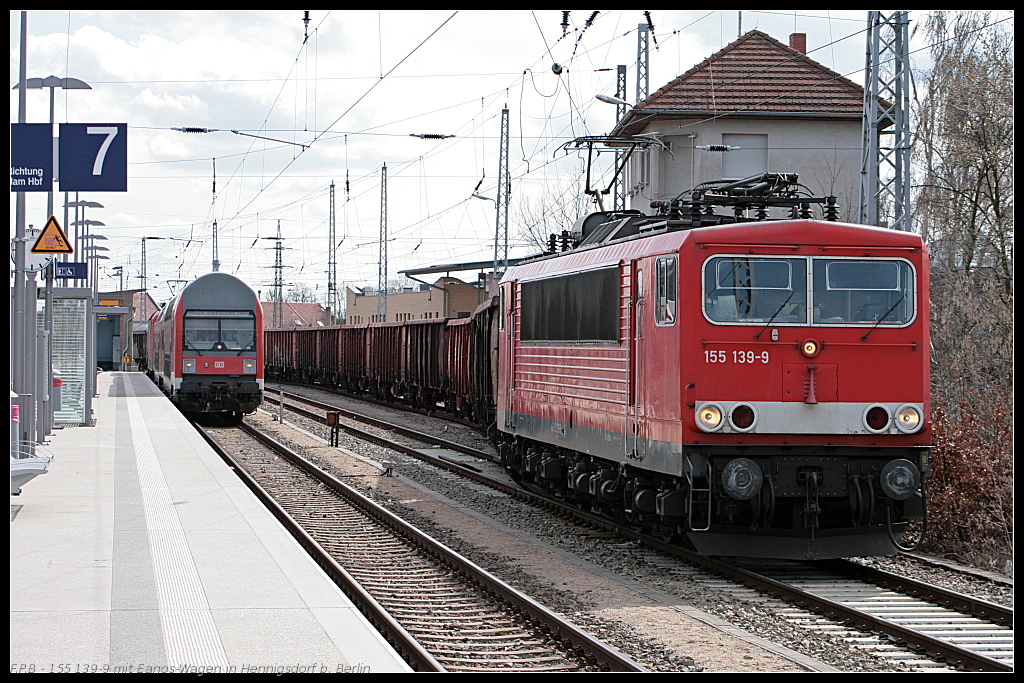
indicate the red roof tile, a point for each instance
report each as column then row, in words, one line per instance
column 756, row 74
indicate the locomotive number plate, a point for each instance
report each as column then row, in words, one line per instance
column 711, row 356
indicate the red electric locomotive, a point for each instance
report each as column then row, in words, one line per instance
column 761, row 388
column 206, row 347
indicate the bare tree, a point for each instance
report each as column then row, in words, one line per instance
column 964, row 122
column 963, row 159
column 555, row 209
column 301, row 293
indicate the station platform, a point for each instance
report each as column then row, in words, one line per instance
column 140, row 551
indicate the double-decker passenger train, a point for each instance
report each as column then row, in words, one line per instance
column 205, row 347
column 759, row 387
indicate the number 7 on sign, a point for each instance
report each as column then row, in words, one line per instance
column 111, row 133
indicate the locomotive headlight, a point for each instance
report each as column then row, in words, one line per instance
column 900, row 479
column 908, row 419
column 810, row 348
column 249, row 366
column 742, row 478
column 188, row 365
column 709, row 417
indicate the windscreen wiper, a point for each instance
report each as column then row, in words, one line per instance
column 891, row 309
column 772, row 319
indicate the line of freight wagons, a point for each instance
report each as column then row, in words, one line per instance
column 431, row 364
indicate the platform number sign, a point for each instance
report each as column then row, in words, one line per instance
column 93, row 157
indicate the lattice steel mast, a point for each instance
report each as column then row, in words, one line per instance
column 885, row 168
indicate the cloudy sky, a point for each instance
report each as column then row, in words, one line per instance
column 340, row 105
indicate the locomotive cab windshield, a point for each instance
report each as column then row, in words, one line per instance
column 219, row 331
column 801, row 291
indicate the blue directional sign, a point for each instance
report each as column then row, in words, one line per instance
column 31, row 157
column 69, row 270
column 93, row 157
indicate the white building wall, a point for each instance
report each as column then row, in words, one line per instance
column 824, row 152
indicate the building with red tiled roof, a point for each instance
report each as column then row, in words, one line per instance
column 770, row 105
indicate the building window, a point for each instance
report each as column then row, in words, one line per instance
column 749, row 160
column 639, row 170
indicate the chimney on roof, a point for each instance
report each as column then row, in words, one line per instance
column 798, row 41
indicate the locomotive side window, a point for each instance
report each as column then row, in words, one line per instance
column 863, row 291
column 582, row 307
column 740, row 289
column 665, row 292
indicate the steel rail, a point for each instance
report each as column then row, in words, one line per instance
column 966, row 604
column 959, row 657
column 403, row 642
column 953, row 655
column 398, row 429
column 584, row 646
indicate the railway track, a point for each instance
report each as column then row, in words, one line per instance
column 978, row 636
column 897, row 618
column 441, row 612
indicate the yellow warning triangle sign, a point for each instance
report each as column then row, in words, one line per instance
column 52, row 240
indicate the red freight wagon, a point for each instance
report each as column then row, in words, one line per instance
column 458, row 365
column 329, row 355
column 385, row 359
column 424, row 359
column 280, row 354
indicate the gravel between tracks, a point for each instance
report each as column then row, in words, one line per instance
column 665, row 622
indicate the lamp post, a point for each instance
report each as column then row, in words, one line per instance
column 118, row 273
column 52, row 82
column 85, row 239
column 94, row 271
column 494, row 272
column 91, row 257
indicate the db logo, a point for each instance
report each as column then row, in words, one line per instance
column 218, row 364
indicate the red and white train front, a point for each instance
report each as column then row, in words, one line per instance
column 206, row 347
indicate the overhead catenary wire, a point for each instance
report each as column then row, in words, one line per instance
column 527, row 169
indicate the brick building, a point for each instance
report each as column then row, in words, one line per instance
column 448, row 297
column 293, row 314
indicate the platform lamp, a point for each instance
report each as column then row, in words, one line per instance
column 91, row 257
column 53, row 82
column 494, row 272
column 118, row 273
column 76, row 205
column 91, row 240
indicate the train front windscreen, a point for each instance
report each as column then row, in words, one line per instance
column 220, row 331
